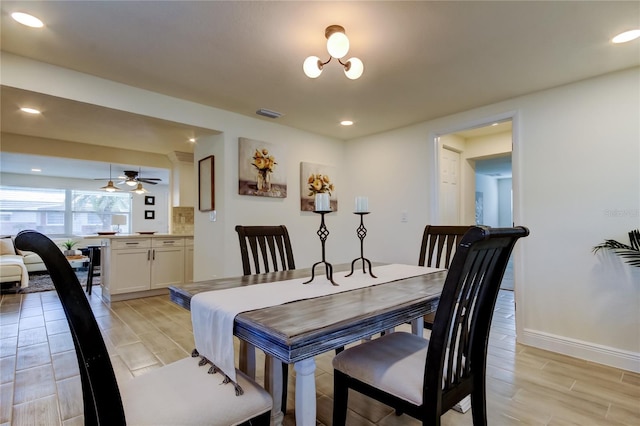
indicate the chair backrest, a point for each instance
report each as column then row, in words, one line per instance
column 102, row 402
column 265, row 249
column 439, row 244
column 456, row 358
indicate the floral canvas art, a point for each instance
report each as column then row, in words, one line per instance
column 261, row 169
column 317, row 179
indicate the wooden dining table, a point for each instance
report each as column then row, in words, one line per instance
column 295, row 332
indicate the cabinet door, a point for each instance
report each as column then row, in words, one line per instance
column 188, row 264
column 130, row 270
column 167, row 266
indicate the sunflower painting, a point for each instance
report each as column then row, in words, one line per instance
column 315, row 179
column 260, row 169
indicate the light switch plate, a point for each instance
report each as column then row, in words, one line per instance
column 212, row 216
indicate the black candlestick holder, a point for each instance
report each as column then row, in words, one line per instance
column 362, row 233
column 323, row 233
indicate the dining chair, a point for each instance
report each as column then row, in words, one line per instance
column 178, row 393
column 94, row 265
column 265, row 249
column 437, row 250
column 424, row 378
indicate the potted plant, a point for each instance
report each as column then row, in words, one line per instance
column 630, row 253
column 68, row 245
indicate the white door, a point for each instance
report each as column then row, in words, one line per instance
column 449, row 187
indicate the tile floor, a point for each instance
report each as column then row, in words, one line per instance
column 40, row 384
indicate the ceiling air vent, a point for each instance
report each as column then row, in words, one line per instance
column 268, row 113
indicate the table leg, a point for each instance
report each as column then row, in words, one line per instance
column 273, row 385
column 305, row 392
column 247, row 361
column 417, row 326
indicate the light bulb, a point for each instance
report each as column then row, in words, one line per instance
column 338, row 45
column 131, row 182
column 626, row 36
column 28, row 20
column 312, row 67
column 354, row 68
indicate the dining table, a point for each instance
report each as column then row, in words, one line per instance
column 296, row 331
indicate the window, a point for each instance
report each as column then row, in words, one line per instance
column 92, row 211
column 59, row 211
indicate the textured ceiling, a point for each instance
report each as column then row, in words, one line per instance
column 422, row 59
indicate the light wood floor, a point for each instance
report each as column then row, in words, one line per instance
column 40, row 383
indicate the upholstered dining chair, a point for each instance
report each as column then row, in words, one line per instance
column 178, row 393
column 437, row 249
column 265, row 249
column 426, row 377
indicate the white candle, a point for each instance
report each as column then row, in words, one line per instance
column 322, row 202
column 362, row 204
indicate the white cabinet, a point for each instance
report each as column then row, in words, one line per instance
column 167, row 262
column 142, row 266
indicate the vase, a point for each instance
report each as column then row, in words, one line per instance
column 260, row 181
column 263, row 182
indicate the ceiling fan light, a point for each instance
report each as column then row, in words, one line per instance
column 139, row 189
column 312, row 67
column 131, row 182
column 110, row 187
column 338, row 45
column 354, row 68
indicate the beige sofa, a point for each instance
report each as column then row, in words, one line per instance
column 15, row 265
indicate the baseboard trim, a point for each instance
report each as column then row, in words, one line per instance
column 625, row 360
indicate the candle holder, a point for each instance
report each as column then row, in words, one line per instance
column 362, row 233
column 323, row 233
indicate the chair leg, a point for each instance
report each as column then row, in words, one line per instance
column 285, row 386
column 90, row 271
column 340, row 398
column 479, row 404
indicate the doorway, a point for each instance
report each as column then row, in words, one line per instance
column 475, row 179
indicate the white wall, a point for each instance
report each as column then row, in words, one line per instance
column 505, row 215
column 577, row 182
column 488, row 185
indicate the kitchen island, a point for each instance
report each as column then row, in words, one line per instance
column 142, row 265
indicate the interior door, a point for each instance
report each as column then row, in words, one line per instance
column 449, row 187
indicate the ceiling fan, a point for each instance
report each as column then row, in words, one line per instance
column 132, row 178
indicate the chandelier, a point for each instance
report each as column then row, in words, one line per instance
column 338, row 47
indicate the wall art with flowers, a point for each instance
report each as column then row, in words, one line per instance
column 261, row 169
column 314, row 179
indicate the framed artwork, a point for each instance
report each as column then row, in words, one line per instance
column 149, row 214
column 149, row 200
column 479, row 208
column 261, row 169
column 206, row 187
column 317, row 178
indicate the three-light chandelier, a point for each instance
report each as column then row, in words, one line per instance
column 338, row 47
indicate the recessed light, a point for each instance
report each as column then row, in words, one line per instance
column 36, row 170
column 30, row 110
column 346, row 122
column 192, row 139
column 626, row 36
column 494, row 124
column 28, row 20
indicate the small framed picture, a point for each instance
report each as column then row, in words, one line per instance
column 149, row 214
column 149, row 200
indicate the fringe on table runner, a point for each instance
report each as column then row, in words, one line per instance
column 214, row 369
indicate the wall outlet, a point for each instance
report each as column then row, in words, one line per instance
column 404, row 216
column 212, row 216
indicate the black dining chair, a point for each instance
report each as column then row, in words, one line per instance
column 437, row 249
column 179, row 393
column 424, row 378
column 94, row 266
column 266, row 249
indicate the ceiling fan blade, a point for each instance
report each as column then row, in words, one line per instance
column 149, row 181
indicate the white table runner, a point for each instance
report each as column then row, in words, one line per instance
column 213, row 312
